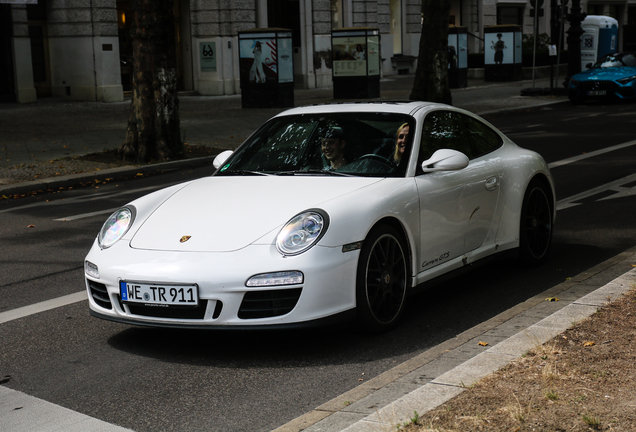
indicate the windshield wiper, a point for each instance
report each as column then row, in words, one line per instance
column 314, row 172
column 244, row 173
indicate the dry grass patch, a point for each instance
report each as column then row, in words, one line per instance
column 582, row 380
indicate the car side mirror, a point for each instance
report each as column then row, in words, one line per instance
column 589, row 65
column 221, row 158
column 445, row 160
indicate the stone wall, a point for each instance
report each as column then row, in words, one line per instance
column 222, row 18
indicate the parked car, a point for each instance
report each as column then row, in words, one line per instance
column 326, row 212
column 612, row 76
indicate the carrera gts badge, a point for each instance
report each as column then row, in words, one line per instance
column 184, row 239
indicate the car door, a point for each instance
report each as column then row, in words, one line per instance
column 443, row 219
column 456, row 207
column 481, row 191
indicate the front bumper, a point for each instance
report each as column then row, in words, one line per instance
column 327, row 291
column 601, row 90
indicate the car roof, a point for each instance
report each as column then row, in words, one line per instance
column 398, row 107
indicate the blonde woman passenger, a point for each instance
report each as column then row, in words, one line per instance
column 400, row 142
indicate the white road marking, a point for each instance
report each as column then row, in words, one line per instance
column 86, row 215
column 591, row 154
column 615, row 186
column 21, row 412
column 42, row 306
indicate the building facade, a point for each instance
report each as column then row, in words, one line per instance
column 81, row 50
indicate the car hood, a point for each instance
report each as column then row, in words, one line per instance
column 613, row 73
column 222, row 214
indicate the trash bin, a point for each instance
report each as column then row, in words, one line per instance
column 356, row 63
column 266, row 68
column 457, row 57
column 503, row 58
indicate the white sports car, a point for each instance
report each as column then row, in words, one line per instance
column 326, row 212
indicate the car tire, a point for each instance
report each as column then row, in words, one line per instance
column 382, row 280
column 536, row 224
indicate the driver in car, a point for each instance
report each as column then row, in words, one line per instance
column 332, row 146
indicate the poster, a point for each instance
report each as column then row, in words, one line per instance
column 286, row 62
column 518, row 48
column 499, row 48
column 373, row 50
column 462, row 54
column 452, row 51
column 258, row 60
column 350, row 56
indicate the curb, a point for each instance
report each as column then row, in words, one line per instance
column 120, row 173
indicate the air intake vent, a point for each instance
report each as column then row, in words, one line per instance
column 266, row 304
column 99, row 294
column 598, row 85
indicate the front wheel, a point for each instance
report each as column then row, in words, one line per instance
column 535, row 236
column 382, row 279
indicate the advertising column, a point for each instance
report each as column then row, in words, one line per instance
column 356, row 63
column 503, row 53
column 266, row 68
column 457, row 57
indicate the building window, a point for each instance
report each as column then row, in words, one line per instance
column 613, row 12
column 593, row 9
column 509, row 15
column 396, row 25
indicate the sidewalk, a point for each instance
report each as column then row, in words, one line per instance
column 33, row 135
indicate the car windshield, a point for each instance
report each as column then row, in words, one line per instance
column 616, row 60
column 343, row 144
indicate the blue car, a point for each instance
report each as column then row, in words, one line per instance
column 613, row 76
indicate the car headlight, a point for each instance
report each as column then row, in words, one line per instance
column 302, row 232
column 627, row 79
column 116, row 226
column 574, row 82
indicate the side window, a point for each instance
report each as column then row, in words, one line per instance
column 629, row 60
column 443, row 130
column 483, row 138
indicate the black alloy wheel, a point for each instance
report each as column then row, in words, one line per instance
column 535, row 236
column 382, row 280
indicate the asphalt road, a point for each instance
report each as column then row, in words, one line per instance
column 177, row 380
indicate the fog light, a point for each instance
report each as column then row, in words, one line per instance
column 274, row 279
column 91, row 269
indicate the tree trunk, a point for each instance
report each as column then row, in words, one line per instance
column 153, row 126
column 431, row 75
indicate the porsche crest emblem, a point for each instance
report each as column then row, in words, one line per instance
column 184, row 239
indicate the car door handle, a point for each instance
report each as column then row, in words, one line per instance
column 492, row 183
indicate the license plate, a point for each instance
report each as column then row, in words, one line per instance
column 159, row 295
column 596, row 93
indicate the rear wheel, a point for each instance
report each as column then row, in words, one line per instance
column 382, row 279
column 535, row 236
